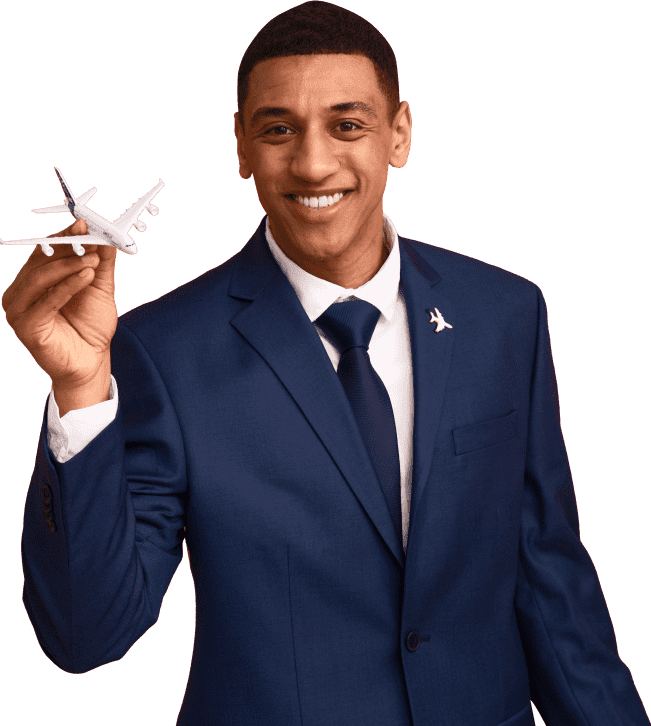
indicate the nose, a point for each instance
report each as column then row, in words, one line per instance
column 315, row 158
column 133, row 249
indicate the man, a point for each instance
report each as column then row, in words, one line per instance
column 316, row 604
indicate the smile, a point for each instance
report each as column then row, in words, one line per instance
column 319, row 202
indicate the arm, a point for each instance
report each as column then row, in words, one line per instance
column 576, row 676
column 95, row 580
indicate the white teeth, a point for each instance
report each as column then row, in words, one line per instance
column 319, row 202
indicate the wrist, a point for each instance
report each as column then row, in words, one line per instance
column 70, row 397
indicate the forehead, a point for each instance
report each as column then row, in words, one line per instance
column 309, row 83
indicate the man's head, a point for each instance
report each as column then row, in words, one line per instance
column 319, row 113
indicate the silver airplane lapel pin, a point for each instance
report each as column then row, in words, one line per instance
column 439, row 320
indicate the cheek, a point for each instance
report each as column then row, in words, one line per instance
column 370, row 162
column 378, row 157
column 268, row 171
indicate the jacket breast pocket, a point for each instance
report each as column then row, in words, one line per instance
column 486, row 433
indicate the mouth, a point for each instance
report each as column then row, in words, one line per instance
column 317, row 204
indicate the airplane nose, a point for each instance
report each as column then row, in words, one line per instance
column 133, row 249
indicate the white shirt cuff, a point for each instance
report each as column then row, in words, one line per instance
column 67, row 436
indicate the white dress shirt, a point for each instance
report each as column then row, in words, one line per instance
column 389, row 351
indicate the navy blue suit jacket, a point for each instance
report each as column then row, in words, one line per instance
column 234, row 432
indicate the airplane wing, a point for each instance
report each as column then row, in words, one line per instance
column 75, row 240
column 125, row 220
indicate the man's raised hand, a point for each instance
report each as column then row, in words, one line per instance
column 62, row 308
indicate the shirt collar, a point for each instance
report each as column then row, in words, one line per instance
column 316, row 295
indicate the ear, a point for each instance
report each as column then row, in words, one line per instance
column 401, row 136
column 245, row 169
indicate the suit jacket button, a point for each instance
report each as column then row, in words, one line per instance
column 412, row 641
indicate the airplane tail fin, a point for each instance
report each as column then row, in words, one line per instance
column 70, row 199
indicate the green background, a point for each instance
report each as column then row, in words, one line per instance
column 530, row 151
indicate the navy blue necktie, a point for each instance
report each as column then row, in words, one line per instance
column 349, row 326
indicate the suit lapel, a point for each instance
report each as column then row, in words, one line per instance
column 276, row 325
column 431, row 353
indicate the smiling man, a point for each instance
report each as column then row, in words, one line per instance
column 356, row 433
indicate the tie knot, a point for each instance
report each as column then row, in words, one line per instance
column 349, row 324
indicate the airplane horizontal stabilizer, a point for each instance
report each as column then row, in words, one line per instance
column 85, row 196
column 45, row 210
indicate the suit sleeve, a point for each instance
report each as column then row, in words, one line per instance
column 103, row 532
column 576, row 676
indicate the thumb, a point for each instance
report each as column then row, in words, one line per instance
column 79, row 227
column 107, row 253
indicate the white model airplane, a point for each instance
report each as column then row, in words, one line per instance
column 100, row 230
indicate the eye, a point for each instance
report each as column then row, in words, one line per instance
column 350, row 123
column 268, row 131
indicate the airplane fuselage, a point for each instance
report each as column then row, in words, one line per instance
column 100, row 227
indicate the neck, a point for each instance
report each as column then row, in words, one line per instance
column 350, row 268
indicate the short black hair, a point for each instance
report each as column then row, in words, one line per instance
column 315, row 28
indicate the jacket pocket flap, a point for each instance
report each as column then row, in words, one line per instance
column 487, row 433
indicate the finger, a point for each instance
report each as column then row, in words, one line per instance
column 105, row 270
column 33, row 283
column 106, row 252
column 33, row 261
column 76, row 228
column 60, row 250
column 79, row 226
column 38, row 258
column 41, row 314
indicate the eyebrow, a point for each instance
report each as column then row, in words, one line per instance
column 274, row 111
